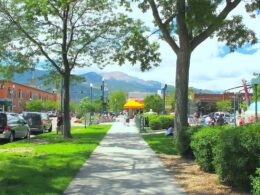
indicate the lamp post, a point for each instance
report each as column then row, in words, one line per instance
column 255, row 82
column 163, row 90
column 91, row 86
column 116, row 107
column 103, row 94
column 13, row 94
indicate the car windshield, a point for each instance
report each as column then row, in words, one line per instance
column 33, row 116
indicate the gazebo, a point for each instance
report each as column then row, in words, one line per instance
column 133, row 106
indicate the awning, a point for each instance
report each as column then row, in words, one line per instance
column 134, row 104
column 5, row 102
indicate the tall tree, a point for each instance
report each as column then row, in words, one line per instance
column 117, row 101
column 153, row 102
column 71, row 33
column 185, row 24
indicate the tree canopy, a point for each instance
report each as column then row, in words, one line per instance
column 71, row 33
column 153, row 102
column 117, row 101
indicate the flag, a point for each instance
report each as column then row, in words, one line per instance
column 247, row 95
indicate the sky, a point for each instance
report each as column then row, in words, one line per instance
column 212, row 66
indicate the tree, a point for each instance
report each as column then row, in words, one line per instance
column 185, row 24
column 34, row 106
column 49, row 105
column 224, row 105
column 153, row 102
column 72, row 33
column 86, row 106
column 117, row 101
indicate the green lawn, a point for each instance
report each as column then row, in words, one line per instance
column 160, row 143
column 44, row 164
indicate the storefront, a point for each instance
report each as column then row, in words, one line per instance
column 5, row 105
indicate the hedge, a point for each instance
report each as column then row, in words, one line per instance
column 256, row 183
column 202, row 145
column 237, row 154
column 155, row 124
column 148, row 118
column 166, row 121
column 184, row 140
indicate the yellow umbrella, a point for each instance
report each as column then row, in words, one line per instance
column 133, row 104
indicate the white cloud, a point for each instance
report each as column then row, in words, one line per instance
column 208, row 70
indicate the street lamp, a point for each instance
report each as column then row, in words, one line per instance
column 13, row 94
column 103, row 94
column 91, row 86
column 163, row 90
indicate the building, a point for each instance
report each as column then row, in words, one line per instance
column 13, row 96
column 136, row 95
column 206, row 103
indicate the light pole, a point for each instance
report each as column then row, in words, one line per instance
column 13, row 94
column 163, row 90
column 103, row 94
column 91, row 86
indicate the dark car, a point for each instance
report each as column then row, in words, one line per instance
column 13, row 126
column 38, row 122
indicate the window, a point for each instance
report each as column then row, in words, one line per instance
column 20, row 94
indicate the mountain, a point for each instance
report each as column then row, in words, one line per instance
column 113, row 81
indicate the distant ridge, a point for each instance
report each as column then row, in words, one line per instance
column 114, row 81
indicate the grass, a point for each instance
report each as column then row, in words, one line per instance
column 44, row 164
column 161, row 144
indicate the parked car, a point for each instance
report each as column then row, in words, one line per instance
column 13, row 126
column 38, row 122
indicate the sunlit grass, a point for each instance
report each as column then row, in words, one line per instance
column 45, row 164
column 160, row 143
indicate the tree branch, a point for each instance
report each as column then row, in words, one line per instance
column 85, row 45
column 208, row 32
column 38, row 44
column 163, row 28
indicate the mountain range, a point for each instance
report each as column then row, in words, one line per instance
column 114, row 81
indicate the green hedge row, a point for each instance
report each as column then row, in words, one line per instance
column 256, row 183
column 160, row 122
column 232, row 152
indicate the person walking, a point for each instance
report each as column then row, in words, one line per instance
column 126, row 117
column 59, row 124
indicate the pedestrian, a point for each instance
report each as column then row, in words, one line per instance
column 60, row 125
column 126, row 117
column 220, row 120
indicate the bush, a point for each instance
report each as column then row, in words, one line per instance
column 184, row 139
column 166, row 121
column 155, row 124
column 237, row 154
column 202, row 144
column 148, row 118
column 256, row 183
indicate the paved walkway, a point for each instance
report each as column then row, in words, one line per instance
column 123, row 164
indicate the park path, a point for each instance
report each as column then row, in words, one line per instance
column 123, row 164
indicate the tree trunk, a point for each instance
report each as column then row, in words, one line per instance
column 66, row 104
column 181, row 89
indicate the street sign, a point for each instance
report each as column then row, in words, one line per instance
column 255, row 81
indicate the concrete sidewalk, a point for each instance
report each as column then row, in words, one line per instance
column 123, row 164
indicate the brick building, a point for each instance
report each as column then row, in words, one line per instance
column 13, row 96
column 206, row 103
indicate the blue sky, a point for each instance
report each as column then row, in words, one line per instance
column 212, row 66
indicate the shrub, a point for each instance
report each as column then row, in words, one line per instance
column 202, row 144
column 237, row 154
column 184, row 139
column 166, row 121
column 148, row 118
column 155, row 124
column 256, row 183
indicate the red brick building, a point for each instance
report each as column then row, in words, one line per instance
column 206, row 103
column 13, row 96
